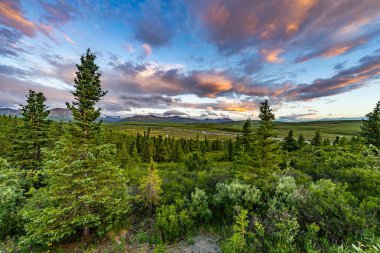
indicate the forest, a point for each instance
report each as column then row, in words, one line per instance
column 77, row 186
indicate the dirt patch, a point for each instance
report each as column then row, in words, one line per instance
column 200, row 244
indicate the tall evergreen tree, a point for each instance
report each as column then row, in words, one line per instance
column 326, row 142
column 290, row 144
column 266, row 146
column 247, row 136
column 31, row 137
column 150, row 187
column 88, row 92
column 317, row 139
column 85, row 190
column 81, row 195
column 370, row 128
column 230, row 150
column 177, row 154
column 301, row 141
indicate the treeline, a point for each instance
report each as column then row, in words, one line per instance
column 79, row 181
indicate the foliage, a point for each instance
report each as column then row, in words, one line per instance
column 80, row 193
column 290, row 144
column 173, row 220
column 31, row 137
column 371, row 127
column 317, row 139
column 197, row 162
column 237, row 242
column 150, row 187
column 233, row 194
column 200, row 205
column 266, row 148
column 247, row 136
column 335, row 211
column 88, row 92
column 11, row 197
column 303, row 198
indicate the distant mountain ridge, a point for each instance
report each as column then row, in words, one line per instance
column 55, row 113
column 64, row 114
column 172, row 119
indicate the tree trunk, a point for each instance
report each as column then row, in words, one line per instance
column 86, row 231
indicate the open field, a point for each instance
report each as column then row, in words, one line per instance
column 328, row 129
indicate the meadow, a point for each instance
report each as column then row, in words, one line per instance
column 228, row 130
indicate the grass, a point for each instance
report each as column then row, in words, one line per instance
column 328, row 129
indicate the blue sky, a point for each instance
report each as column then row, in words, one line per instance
column 311, row 59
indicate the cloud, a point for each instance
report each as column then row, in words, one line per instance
column 55, row 14
column 345, row 80
column 7, row 70
column 333, row 50
column 129, row 47
column 11, row 16
column 9, row 40
column 148, row 101
column 309, row 28
column 59, row 12
column 68, row 39
column 14, row 90
column 147, row 49
column 59, row 68
column 340, row 65
column 156, row 22
column 147, row 78
column 272, row 56
column 174, row 113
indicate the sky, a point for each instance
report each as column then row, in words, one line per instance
column 312, row 59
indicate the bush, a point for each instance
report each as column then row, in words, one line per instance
column 237, row 242
column 173, row 221
column 335, row 211
column 199, row 205
column 197, row 162
column 11, row 196
column 234, row 194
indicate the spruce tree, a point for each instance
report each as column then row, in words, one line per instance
column 317, row 140
column 88, row 92
column 85, row 190
column 33, row 133
column 301, row 141
column 370, row 128
column 337, row 140
column 290, row 144
column 230, row 150
column 177, row 153
column 266, row 146
column 247, row 136
column 81, row 195
column 326, row 142
column 150, row 187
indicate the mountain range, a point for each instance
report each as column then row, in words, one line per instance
column 63, row 114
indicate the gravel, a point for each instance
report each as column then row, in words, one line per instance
column 201, row 244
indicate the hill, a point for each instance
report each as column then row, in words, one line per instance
column 172, row 119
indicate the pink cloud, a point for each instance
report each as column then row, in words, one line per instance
column 11, row 16
column 147, row 49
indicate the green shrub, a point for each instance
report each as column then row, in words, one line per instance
column 11, row 196
column 233, row 194
column 237, row 242
column 199, row 205
column 196, row 161
column 173, row 221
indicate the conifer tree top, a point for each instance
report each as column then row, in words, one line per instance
column 87, row 93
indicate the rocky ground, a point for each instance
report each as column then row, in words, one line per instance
column 199, row 244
